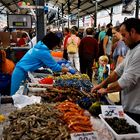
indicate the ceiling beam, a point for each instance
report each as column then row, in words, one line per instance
column 86, row 10
column 7, row 5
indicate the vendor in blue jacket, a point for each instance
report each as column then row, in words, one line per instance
column 37, row 57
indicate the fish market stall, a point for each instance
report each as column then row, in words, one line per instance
column 58, row 107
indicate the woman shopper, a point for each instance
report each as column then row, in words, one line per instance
column 107, row 44
column 66, row 36
column 73, row 41
column 120, row 50
column 37, row 57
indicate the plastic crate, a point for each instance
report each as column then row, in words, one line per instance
column 5, row 79
column 133, row 136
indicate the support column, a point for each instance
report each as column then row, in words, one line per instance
column 111, row 15
column 137, row 9
column 95, row 15
column 40, row 20
column 62, row 16
column 78, row 18
column 58, row 20
column 79, row 1
column 68, row 12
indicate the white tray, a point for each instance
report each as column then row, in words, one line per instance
column 38, row 85
column 31, row 89
column 35, row 87
column 134, row 136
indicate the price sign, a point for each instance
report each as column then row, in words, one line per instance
column 112, row 111
column 84, row 136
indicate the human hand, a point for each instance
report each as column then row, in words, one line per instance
column 95, row 88
column 67, row 65
column 62, row 61
column 102, row 91
column 72, row 71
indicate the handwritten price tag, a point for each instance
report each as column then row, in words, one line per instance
column 84, row 136
column 112, row 111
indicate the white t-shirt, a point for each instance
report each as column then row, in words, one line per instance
column 129, row 81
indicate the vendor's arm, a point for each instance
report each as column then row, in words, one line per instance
column 127, row 78
column 50, row 62
column 112, row 78
column 114, row 87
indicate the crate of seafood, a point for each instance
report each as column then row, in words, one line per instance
column 122, row 128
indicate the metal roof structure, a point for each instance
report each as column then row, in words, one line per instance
column 11, row 6
column 75, row 8
column 67, row 7
column 85, row 7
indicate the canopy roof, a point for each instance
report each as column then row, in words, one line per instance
column 85, row 7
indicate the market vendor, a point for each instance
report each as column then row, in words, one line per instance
column 126, row 76
column 37, row 57
column 6, row 69
column 6, row 65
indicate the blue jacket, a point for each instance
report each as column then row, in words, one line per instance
column 37, row 57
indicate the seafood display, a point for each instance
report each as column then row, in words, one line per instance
column 62, row 111
column 46, row 80
column 60, row 94
column 77, row 81
column 2, row 118
column 74, row 117
column 121, row 126
column 36, row 122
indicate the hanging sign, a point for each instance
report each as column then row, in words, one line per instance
column 109, row 111
column 19, row 21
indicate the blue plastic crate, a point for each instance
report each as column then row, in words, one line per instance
column 5, row 80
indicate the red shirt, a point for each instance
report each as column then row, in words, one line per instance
column 88, row 46
column 20, row 54
column 21, row 42
column 65, row 41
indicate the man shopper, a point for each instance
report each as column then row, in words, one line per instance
column 88, row 52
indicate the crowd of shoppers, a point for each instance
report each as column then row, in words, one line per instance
column 121, row 46
column 126, row 76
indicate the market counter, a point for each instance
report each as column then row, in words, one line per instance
column 16, row 53
column 20, row 48
column 6, row 109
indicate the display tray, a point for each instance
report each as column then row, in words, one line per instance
column 134, row 136
column 35, row 87
column 31, row 89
